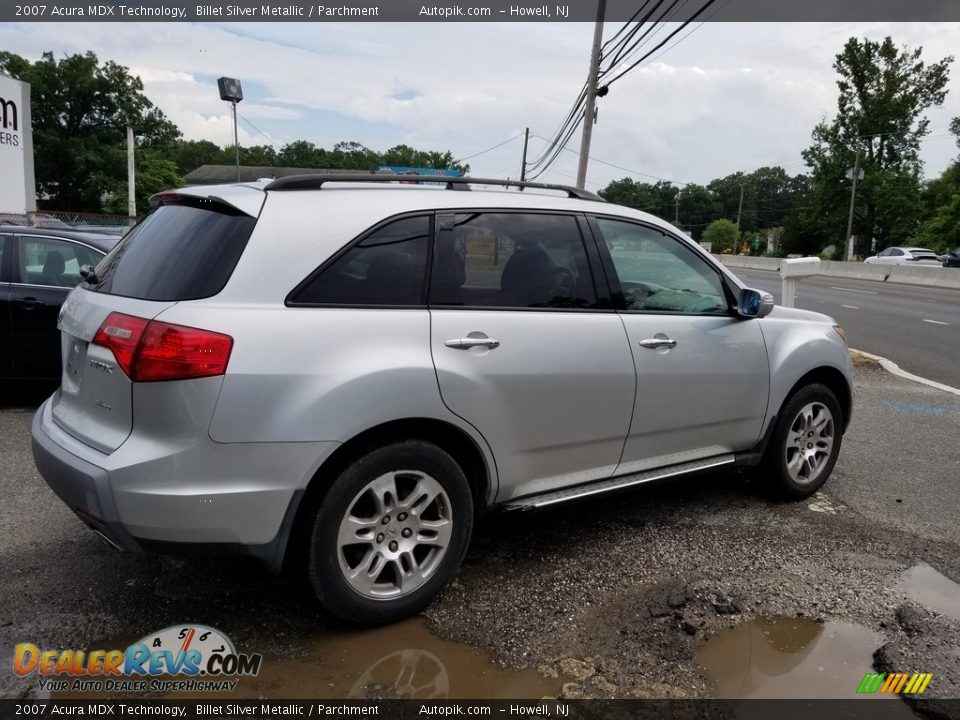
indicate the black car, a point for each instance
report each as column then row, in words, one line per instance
column 952, row 258
column 38, row 267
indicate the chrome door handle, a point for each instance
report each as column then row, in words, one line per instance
column 660, row 342
column 470, row 342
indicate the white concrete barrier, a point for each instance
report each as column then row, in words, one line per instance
column 928, row 276
column 903, row 274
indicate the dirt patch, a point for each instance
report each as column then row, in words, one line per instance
column 862, row 361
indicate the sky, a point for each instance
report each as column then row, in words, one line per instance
column 728, row 97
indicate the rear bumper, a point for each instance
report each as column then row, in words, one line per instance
column 189, row 495
column 84, row 487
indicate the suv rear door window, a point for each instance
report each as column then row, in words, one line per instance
column 386, row 268
column 525, row 260
column 184, row 250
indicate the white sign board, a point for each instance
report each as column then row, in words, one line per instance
column 17, row 189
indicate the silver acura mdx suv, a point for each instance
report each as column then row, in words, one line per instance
column 353, row 368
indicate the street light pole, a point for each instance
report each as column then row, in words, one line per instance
column 236, row 142
column 230, row 90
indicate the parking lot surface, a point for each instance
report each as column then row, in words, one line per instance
column 697, row 588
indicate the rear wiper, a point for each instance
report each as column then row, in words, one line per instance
column 87, row 273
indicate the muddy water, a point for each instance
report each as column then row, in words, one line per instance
column 404, row 660
column 400, row 661
column 790, row 658
column 929, row 588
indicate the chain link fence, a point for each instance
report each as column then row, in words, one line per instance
column 61, row 220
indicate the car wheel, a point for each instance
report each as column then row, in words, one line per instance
column 390, row 533
column 805, row 443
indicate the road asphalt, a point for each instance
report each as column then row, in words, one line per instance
column 616, row 597
column 916, row 327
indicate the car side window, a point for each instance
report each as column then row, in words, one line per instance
column 53, row 262
column 388, row 267
column 659, row 273
column 896, row 251
column 518, row 260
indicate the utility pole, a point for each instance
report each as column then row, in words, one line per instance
column 523, row 166
column 589, row 110
column 131, row 180
column 855, row 175
column 736, row 242
column 676, row 212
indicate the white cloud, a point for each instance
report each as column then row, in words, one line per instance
column 729, row 97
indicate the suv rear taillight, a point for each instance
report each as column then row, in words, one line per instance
column 147, row 350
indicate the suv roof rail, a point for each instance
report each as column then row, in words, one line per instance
column 316, row 182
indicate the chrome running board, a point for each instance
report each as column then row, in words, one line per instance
column 595, row 488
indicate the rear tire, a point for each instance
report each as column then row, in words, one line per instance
column 805, row 443
column 390, row 533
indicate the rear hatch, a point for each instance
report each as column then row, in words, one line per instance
column 184, row 250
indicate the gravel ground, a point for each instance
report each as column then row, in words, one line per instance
column 613, row 596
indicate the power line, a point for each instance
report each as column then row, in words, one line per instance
column 269, row 140
column 489, row 148
column 625, row 169
column 663, row 42
column 564, row 126
column 562, row 146
column 626, row 52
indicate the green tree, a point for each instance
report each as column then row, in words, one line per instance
column 80, row 110
column 884, row 93
column 188, row 155
column 407, row 156
column 154, row 173
column 659, row 199
column 722, row 235
column 697, row 208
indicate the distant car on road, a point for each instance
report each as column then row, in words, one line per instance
column 38, row 267
column 905, row 256
column 951, row 258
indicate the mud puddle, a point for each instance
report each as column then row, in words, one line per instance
column 933, row 590
column 404, row 660
column 400, row 661
column 792, row 658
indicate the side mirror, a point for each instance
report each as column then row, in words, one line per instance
column 754, row 304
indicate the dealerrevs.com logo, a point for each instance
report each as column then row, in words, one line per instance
column 189, row 658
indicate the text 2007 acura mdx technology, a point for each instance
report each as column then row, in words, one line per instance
column 355, row 368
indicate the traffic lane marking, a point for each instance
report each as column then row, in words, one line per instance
column 851, row 307
column 865, row 292
column 935, row 322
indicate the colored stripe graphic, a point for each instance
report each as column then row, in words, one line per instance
column 906, row 683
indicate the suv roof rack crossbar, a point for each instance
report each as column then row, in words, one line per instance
column 316, row 182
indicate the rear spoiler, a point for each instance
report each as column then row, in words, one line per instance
column 247, row 199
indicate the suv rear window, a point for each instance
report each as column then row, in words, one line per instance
column 184, row 250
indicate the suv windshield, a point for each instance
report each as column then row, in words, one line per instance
column 184, row 250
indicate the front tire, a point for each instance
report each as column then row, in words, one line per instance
column 805, row 443
column 390, row 533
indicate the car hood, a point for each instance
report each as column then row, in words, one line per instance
column 781, row 312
